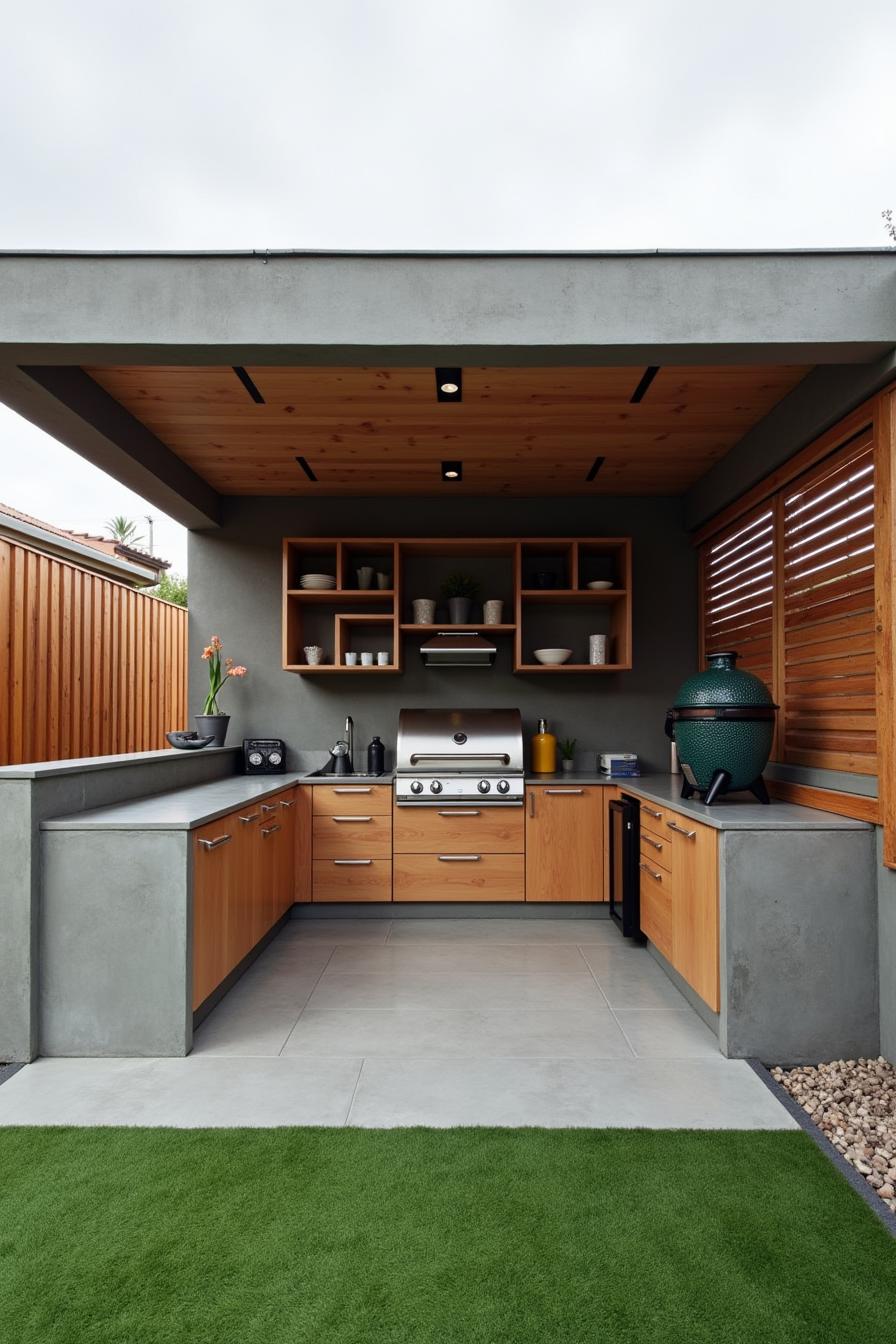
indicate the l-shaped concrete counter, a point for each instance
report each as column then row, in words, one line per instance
column 93, row 889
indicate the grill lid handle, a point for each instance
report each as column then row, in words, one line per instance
column 454, row 756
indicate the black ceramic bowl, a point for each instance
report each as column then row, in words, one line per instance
column 188, row 741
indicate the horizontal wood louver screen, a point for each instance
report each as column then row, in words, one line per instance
column 827, row 621
column 738, row 592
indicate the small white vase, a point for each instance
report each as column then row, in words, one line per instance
column 492, row 611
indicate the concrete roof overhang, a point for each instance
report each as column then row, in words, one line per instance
column 58, row 310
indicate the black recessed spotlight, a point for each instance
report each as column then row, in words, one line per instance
column 452, row 471
column 449, row 384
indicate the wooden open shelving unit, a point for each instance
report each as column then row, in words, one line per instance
column 336, row 617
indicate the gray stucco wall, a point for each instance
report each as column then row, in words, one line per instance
column 886, row 929
column 235, row 593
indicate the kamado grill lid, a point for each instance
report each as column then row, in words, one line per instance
column 723, row 691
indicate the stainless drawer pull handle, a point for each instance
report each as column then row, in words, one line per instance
column 253, row 816
column 213, row 844
column 650, row 812
column 355, row 788
column 459, row 858
column 657, row 877
column 292, row 803
column 353, row 863
column 564, row 790
column 269, row 830
column 269, row 807
column 656, row 844
column 681, row 830
column 462, row 812
column 351, row 819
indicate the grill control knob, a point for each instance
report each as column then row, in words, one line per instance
column 274, row 758
column 416, row 786
column 484, row 786
column 503, row 786
column 435, row 787
column 255, row 758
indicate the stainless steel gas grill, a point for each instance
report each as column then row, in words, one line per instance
column 458, row 755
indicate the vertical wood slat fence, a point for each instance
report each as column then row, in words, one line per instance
column 88, row 666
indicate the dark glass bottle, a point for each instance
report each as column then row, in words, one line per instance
column 376, row 757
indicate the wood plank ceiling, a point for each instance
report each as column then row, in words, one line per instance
column 518, row 431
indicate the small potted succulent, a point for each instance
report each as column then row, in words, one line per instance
column 567, row 753
column 461, row 590
column 211, row 722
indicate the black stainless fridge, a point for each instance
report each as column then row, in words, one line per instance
column 625, row 879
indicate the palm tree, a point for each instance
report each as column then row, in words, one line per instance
column 124, row 531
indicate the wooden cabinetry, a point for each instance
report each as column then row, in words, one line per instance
column 243, row 881
column 351, row 842
column 565, row 842
column 459, row 853
column 680, row 895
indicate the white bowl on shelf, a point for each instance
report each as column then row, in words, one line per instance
column 598, row 584
column 317, row 581
column 553, row 657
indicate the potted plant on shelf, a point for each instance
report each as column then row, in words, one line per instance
column 567, row 753
column 461, row 590
column 211, row 722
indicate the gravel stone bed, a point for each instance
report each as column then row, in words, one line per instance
column 853, row 1103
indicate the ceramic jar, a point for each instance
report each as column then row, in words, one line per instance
column 424, row 609
column 597, row 650
column 492, row 611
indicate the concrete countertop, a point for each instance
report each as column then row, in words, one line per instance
column 185, row 809
column 85, row 764
column 177, row 810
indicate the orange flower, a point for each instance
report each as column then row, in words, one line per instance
column 207, row 652
column 238, row 671
column 215, row 643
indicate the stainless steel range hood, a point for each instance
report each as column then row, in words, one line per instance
column 456, row 648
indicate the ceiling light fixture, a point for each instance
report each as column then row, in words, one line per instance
column 647, row 378
column 595, row 468
column 449, row 384
column 248, row 384
column 452, row 471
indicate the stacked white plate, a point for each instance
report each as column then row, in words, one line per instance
column 317, row 581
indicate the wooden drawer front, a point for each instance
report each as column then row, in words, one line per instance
column 349, row 836
column 656, row 908
column 357, row 798
column 490, row 877
column 335, row 880
column 656, row 849
column 653, row 818
column 461, row 830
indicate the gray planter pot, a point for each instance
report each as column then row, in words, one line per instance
column 459, row 610
column 213, row 725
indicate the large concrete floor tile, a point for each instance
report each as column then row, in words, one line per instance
column 484, row 992
column 442, row 1035
column 641, row 985
column 184, row 1093
column 689, row 1094
column 443, row 955
column 245, row 1028
column 669, row 1035
column 539, row 931
column 335, row 931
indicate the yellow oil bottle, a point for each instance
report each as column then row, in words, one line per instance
column 544, row 750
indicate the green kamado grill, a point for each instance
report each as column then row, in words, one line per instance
column 722, row 723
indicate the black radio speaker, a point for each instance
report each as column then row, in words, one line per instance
column 264, row 755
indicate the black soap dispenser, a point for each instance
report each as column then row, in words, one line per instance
column 376, row 758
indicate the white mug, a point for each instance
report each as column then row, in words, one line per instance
column 382, row 658
column 351, row 660
column 367, row 660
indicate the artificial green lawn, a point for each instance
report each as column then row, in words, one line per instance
column 129, row 1236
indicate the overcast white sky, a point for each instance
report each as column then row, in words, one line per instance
column 401, row 123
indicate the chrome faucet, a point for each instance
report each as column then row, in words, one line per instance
column 350, row 739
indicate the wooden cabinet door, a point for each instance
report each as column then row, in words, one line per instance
column 695, row 905
column 285, row 858
column 213, row 884
column 302, row 843
column 564, row 843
